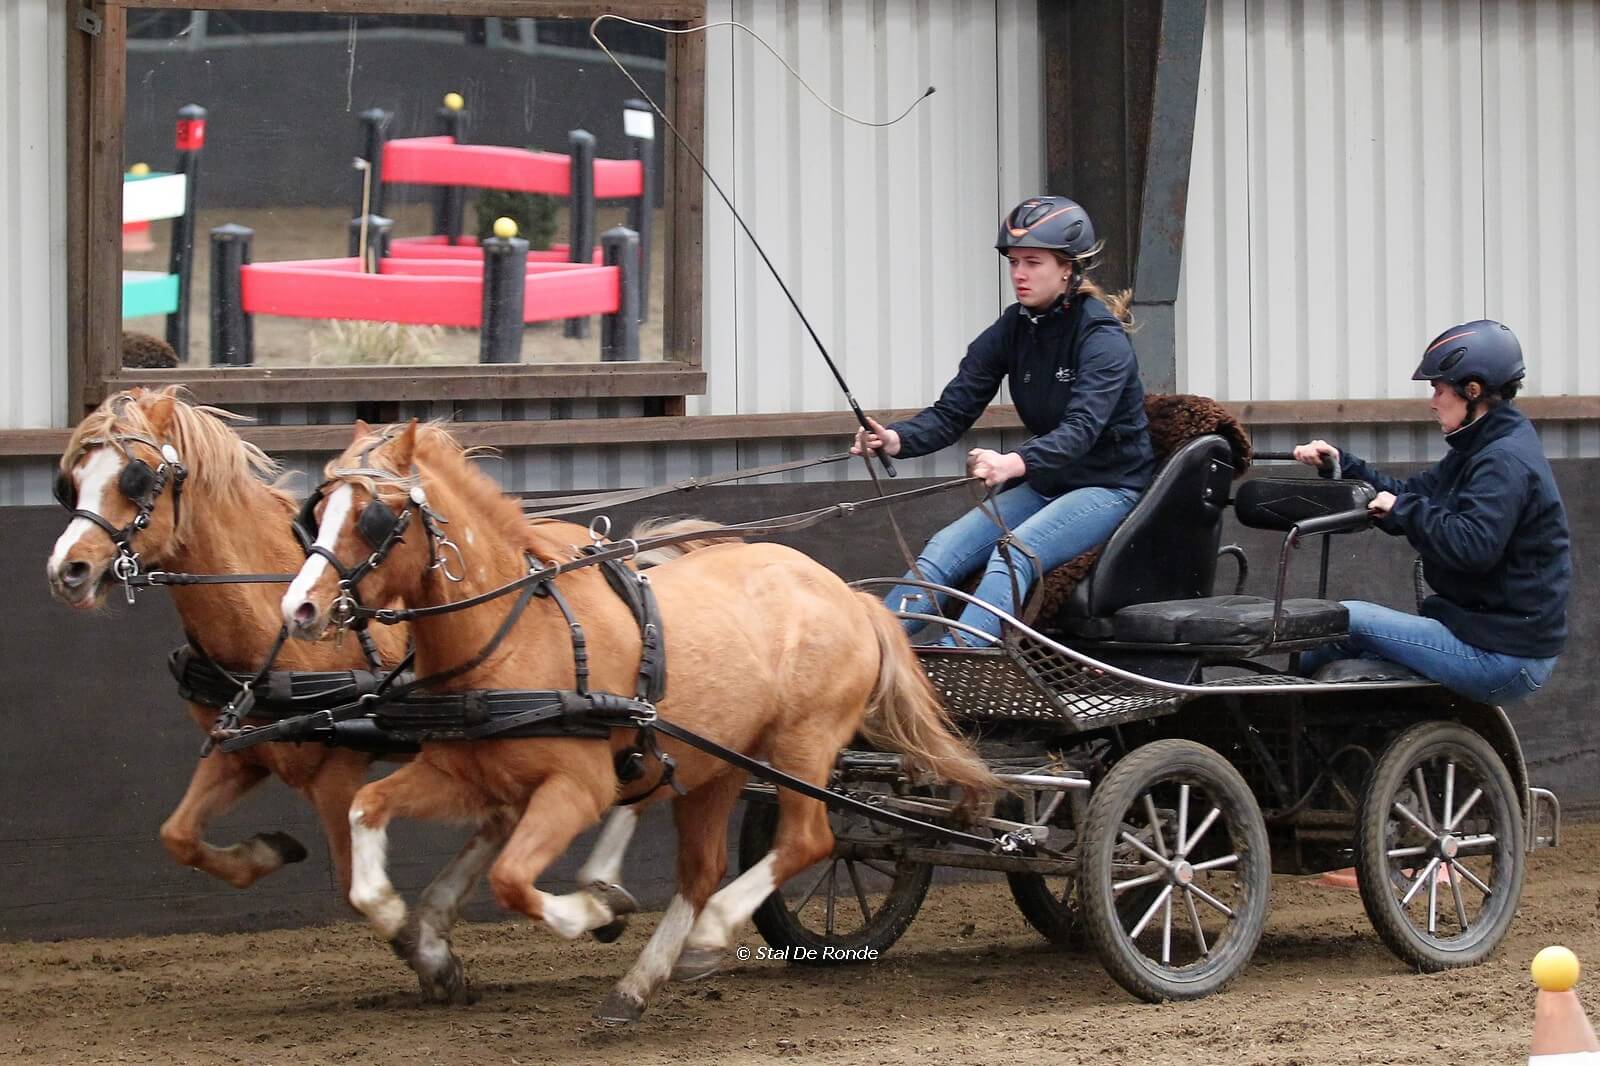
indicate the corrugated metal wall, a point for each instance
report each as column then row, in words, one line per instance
column 883, row 235
column 33, row 217
column 1366, row 174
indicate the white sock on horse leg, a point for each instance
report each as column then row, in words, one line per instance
column 733, row 905
column 370, row 890
column 441, row 900
column 573, row 914
column 655, row 962
column 605, row 862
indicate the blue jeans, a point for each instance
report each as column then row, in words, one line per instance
column 1055, row 530
column 1427, row 647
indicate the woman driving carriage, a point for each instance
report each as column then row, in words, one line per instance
column 1490, row 527
column 1075, row 381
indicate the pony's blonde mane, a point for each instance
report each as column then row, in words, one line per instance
column 449, row 458
column 220, row 462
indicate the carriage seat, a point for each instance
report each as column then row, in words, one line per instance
column 1341, row 670
column 1228, row 621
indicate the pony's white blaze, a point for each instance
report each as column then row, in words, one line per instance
column 98, row 474
column 734, row 904
column 327, row 536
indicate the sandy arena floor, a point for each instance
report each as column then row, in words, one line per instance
column 970, row 983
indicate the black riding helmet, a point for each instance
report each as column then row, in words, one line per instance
column 1052, row 222
column 1485, row 350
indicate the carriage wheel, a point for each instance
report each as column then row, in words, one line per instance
column 1048, row 902
column 842, row 903
column 1175, row 817
column 1439, row 847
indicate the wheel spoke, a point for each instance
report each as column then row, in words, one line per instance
column 1406, row 853
column 1477, row 794
column 1129, row 838
column 1482, row 840
column 1135, row 882
column 1194, row 919
column 1166, row 893
column 833, row 893
column 887, row 871
column 1449, row 794
column 1421, row 785
column 861, row 896
column 1405, row 812
column 1461, row 906
column 1210, row 820
column 1416, row 886
column 1457, row 868
column 1155, row 825
column 1216, row 864
column 1212, row 901
column 1433, row 899
column 1166, row 930
column 812, row 891
column 1183, row 819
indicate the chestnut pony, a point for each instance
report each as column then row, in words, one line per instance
column 768, row 653
column 227, row 521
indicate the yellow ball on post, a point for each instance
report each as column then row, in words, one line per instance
column 454, row 101
column 1555, row 969
column 505, row 228
column 139, row 170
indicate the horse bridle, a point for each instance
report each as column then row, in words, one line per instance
column 381, row 528
column 141, row 485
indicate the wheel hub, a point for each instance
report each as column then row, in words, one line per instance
column 1449, row 846
column 1182, row 872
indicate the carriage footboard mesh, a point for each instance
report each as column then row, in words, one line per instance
column 1029, row 680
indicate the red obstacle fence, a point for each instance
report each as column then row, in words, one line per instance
column 449, row 165
column 498, row 292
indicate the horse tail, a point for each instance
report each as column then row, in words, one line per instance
column 662, row 527
column 906, row 715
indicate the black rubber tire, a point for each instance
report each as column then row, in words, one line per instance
column 1377, row 875
column 1174, row 762
column 781, row 928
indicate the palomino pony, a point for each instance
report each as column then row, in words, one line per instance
column 221, row 518
column 767, row 652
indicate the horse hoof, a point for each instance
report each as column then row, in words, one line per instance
column 610, row 931
column 448, row 987
column 619, row 1009
column 696, row 963
column 288, row 849
column 617, row 899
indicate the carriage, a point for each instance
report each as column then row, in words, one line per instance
column 1165, row 760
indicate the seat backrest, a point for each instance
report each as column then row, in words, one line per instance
column 1166, row 549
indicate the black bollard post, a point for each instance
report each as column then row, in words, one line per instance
column 505, row 282
column 190, row 139
column 374, row 131
column 639, row 123
column 448, row 199
column 232, row 331
column 580, row 213
column 379, row 230
column 619, row 332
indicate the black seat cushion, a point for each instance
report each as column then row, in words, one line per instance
column 1228, row 620
column 1365, row 670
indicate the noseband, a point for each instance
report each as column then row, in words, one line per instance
column 142, row 486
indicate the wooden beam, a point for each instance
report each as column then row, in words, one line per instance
column 808, row 425
column 682, row 289
column 101, row 351
column 300, row 385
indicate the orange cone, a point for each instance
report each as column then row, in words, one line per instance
column 1562, row 1035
